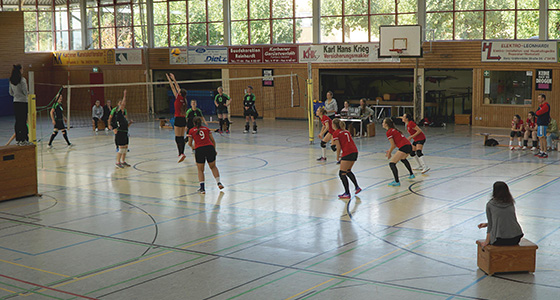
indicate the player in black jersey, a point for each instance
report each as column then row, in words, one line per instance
column 250, row 111
column 58, row 120
column 222, row 102
column 121, row 136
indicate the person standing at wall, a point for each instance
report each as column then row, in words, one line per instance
column 222, row 102
column 250, row 111
column 543, row 118
column 96, row 113
column 552, row 134
column 18, row 89
column 331, row 105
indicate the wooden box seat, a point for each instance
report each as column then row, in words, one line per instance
column 498, row 259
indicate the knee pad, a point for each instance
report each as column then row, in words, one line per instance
column 341, row 173
column 333, row 147
column 413, row 153
column 419, row 153
column 323, row 144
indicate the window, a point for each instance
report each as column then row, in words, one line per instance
column 359, row 21
column 271, row 21
column 554, row 19
column 116, row 24
column 508, row 87
column 482, row 19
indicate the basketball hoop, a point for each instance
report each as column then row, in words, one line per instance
column 395, row 54
column 397, row 50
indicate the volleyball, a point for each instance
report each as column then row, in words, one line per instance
column 176, row 51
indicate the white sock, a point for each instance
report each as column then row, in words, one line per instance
column 510, row 142
column 519, row 144
column 217, row 179
column 422, row 163
column 324, row 150
column 418, row 160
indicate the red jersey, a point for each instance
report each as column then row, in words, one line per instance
column 180, row 106
column 531, row 124
column 202, row 138
column 398, row 137
column 347, row 145
column 326, row 120
column 519, row 125
column 410, row 128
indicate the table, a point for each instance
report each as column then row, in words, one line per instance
column 355, row 120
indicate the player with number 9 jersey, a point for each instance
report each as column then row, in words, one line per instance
column 204, row 151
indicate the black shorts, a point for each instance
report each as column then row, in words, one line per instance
column 205, row 153
column 220, row 110
column 180, row 122
column 421, row 142
column 59, row 124
column 350, row 157
column 406, row 149
column 516, row 134
column 121, row 138
column 251, row 112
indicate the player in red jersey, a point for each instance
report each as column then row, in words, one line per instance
column 326, row 132
column 397, row 140
column 180, row 110
column 530, row 130
column 517, row 130
column 204, row 150
column 418, row 139
column 347, row 154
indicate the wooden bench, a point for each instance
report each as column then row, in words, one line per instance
column 493, row 135
column 100, row 124
column 497, row 259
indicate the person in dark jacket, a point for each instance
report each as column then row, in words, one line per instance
column 502, row 227
column 543, row 118
column 107, row 108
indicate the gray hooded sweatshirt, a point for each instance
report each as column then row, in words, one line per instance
column 502, row 222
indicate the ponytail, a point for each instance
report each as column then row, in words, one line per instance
column 15, row 78
column 339, row 124
column 197, row 123
column 390, row 124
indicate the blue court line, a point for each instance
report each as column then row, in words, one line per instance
column 457, row 294
column 547, row 235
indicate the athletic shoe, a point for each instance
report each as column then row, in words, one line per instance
column 124, row 164
column 96, row 130
column 49, row 147
column 106, row 129
column 181, row 158
column 227, row 131
column 245, row 131
column 344, row 196
column 411, row 176
column 201, row 191
column 357, row 191
column 25, row 143
column 512, row 148
column 426, row 169
column 70, row 145
column 417, row 168
column 18, row 143
column 544, row 155
column 322, row 159
column 220, row 186
column 524, row 148
column 338, row 162
column 538, row 154
column 394, row 183
column 254, row 131
column 119, row 166
column 533, row 148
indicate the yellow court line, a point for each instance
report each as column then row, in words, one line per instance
column 346, row 273
column 2, row 289
column 152, row 257
column 32, row 268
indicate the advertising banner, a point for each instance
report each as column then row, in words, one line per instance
column 84, row 57
column 341, row 53
column 245, row 55
column 128, row 56
column 178, row 56
column 543, row 80
column 519, row 51
column 207, row 55
column 280, row 54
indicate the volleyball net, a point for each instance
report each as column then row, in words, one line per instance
column 277, row 97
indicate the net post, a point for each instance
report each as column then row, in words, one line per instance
column 31, row 109
column 68, row 106
column 310, row 102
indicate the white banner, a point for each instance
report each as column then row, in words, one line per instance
column 208, row 55
column 178, row 56
column 341, row 53
column 128, row 56
column 517, row 51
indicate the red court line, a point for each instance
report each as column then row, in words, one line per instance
column 48, row 288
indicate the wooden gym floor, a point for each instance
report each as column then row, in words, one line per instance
column 277, row 231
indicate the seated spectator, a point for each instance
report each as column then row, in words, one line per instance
column 107, row 108
column 530, row 130
column 344, row 110
column 96, row 113
column 517, row 130
column 502, row 227
column 365, row 114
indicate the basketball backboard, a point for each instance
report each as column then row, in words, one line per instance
column 401, row 41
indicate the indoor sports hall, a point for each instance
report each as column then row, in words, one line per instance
column 74, row 225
